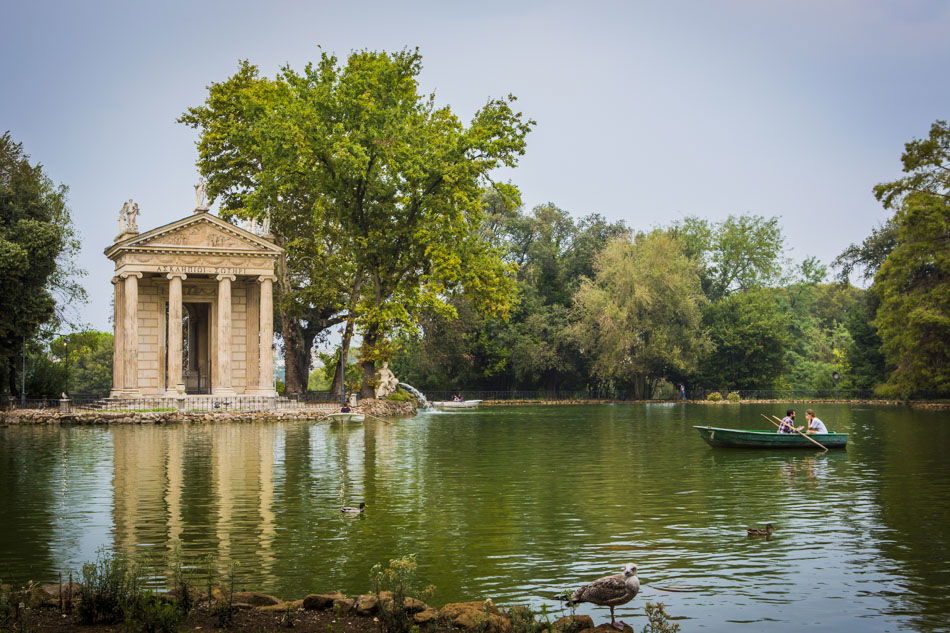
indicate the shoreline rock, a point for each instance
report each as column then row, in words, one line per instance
column 375, row 408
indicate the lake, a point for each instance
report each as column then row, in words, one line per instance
column 516, row 504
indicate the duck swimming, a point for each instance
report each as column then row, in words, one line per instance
column 352, row 510
column 766, row 531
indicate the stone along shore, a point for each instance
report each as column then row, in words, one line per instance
column 55, row 608
column 375, row 408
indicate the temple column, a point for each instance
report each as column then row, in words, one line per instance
column 175, row 384
column 130, row 333
column 118, row 341
column 266, row 354
column 223, row 351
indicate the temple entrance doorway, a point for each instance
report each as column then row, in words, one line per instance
column 195, row 353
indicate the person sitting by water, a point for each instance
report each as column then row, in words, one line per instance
column 788, row 423
column 345, row 408
column 458, row 398
column 814, row 424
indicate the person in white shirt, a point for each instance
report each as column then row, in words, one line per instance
column 814, row 424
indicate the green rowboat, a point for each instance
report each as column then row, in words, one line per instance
column 734, row 438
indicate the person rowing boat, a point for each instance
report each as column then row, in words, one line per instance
column 788, row 423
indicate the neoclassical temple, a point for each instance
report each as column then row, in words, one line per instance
column 193, row 308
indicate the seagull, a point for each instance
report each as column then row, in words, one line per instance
column 352, row 510
column 610, row 591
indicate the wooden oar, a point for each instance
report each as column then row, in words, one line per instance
column 807, row 437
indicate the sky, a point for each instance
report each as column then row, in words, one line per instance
column 646, row 111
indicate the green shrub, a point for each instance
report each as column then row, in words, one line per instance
column 399, row 578
column 715, row 396
column 733, row 396
column 113, row 591
column 15, row 609
column 108, row 586
column 149, row 614
column 658, row 620
column 399, row 396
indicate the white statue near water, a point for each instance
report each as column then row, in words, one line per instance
column 128, row 218
column 201, row 195
column 386, row 381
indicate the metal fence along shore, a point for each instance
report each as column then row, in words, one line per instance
column 324, row 399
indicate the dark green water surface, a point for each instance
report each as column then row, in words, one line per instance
column 515, row 504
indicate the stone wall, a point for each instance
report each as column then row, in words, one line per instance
column 376, row 408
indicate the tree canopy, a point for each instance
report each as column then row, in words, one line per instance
column 381, row 187
column 640, row 316
column 36, row 245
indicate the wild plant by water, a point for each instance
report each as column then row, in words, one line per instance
column 392, row 585
column 658, row 620
column 223, row 611
column 109, row 586
column 113, row 590
column 15, row 610
column 526, row 620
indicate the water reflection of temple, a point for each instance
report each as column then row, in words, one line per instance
column 195, row 490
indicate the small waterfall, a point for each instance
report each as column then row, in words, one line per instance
column 418, row 394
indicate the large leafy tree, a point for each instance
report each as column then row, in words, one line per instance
column 750, row 335
column 640, row 317
column 533, row 349
column 739, row 253
column 366, row 169
column 36, row 243
column 908, row 308
column 913, row 283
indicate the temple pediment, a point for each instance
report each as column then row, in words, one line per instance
column 198, row 233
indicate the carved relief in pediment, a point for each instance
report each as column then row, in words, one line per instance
column 200, row 235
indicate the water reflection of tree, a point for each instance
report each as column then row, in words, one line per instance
column 907, row 453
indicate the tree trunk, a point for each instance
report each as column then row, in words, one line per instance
column 367, row 388
column 295, row 365
column 339, row 376
column 295, row 376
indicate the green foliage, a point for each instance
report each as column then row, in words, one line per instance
column 715, row 396
column 375, row 189
column 913, row 284
column 108, row 586
column 150, row 614
column 739, row 253
column 926, row 162
column 733, row 396
column 525, row 620
column 328, row 364
column 400, row 579
column 399, row 396
column 658, row 620
column 533, row 349
column 36, row 249
column 113, row 591
column 639, row 317
column 906, row 316
column 749, row 335
column 16, row 611
column 864, row 359
column 868, row 255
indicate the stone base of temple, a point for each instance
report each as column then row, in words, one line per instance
column 206, row 402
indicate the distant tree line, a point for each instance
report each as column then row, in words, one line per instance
column 610, row 310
